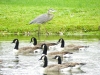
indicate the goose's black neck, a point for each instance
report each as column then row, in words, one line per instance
column 59, row 60
column 16, row 45
column 62, row 43
column 45, row 62
column 61, row 40
column 45, row 49
column 35, row 41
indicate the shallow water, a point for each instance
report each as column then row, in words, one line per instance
column 30, row 65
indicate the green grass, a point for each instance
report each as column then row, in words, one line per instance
column 71, row 16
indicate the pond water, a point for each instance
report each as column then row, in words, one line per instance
column 30, row 65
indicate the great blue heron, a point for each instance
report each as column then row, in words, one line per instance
column 43, row 18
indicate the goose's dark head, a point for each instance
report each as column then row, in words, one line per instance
column 42, row 57
column 15, row 41
column 58, row 58
column 34, row 40
column 61, row 40
column 45, row 48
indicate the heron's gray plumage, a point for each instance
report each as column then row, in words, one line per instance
column 43, row 18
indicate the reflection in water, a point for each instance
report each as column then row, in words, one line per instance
column 58, row 73
column 16, row 62
column 79, row 71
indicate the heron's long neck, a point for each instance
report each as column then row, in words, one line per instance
column 49, row 13
column 50, row 16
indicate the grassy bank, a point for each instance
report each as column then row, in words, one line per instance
column 72, row 16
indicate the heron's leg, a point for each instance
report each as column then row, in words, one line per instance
column 46, row 32
column 38, row 31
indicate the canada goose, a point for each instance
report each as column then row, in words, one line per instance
column 70, row 46
column 75, row 65
column 22, row 50
column 63, row 54
column 34, row 40
column 60, row 42
column 49, row 45
column 44, row 49
column 55, row 67
column 15, row 50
